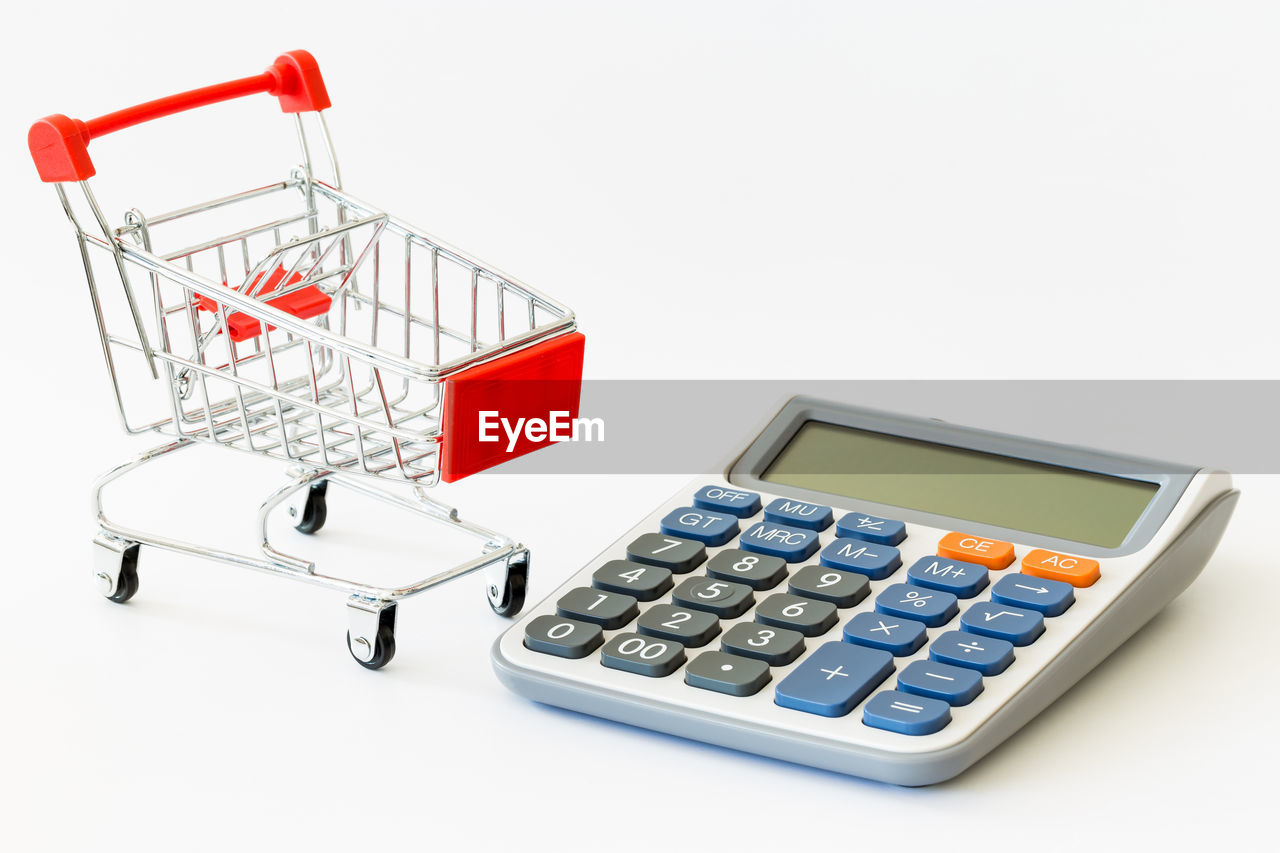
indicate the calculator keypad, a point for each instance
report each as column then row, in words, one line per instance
column 987, row 655
column 1004, row 622
column 809, row 617
column 843, row 589
column 834, row 679
column 670, row 552
column 709, row 528
column 931, row 607
column 893, row 634
column 774, row 646
column 856, row 555
column 725, row 599
column 872, row 528
column 642, row 655
column 644, row 583
column 778, row 540
column 758, row 571
column 726, row 673
column 606, row 609
column 961, row 579
column 692, row 628
column 566, row 638
column 798, row 514
column 1050, row 597
column 906, row 713
column 932, row 623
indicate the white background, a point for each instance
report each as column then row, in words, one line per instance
column 737, row 190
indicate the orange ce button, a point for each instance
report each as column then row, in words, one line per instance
column 991, row 553
column 1077, row 571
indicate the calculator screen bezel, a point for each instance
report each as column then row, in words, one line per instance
column 1170, row 479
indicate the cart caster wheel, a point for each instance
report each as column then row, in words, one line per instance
column 127, row 585
column 384, row 649
column 315, row 512
column 384, row 643
column 511, row 601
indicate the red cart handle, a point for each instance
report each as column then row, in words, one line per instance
column 60, row 145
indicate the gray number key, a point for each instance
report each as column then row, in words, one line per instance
column 723, row 598
column 774, row 646
column 566, row 638
column 670, row 552
column 727, row 674
column 805, row 615
column 643, row 582
column 758, row 571
column 607, row 609
column 843, row 589
column 689, row 627
column 642, row 655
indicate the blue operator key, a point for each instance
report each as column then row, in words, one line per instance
column 798, row 514
column 854, row 555
column 906, row 714
column 710, row 528
column 1052, row 598
column 951, row 684
column 778, row 540
column 889, row 633
column 929, row 606
column 871, row 528
column 834, row 679
column 733, row 501
column 987, row 655
column 963, row 580
column 1003, row 621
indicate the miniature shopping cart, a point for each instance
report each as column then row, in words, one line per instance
column 316, row 330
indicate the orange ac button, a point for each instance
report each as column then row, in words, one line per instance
column 1077, row 571
column 991, row 553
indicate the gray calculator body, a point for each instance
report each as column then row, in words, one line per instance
column 1154, row 557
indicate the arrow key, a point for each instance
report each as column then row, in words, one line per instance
column 1050, row 597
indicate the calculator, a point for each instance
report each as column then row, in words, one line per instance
column 879, row 595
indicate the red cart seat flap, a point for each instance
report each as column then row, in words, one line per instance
column 542, row 382
column 304, row 303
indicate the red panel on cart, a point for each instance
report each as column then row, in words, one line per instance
column 531, row 383
column 304, row 303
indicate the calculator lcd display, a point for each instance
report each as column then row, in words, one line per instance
column 1048, row 500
